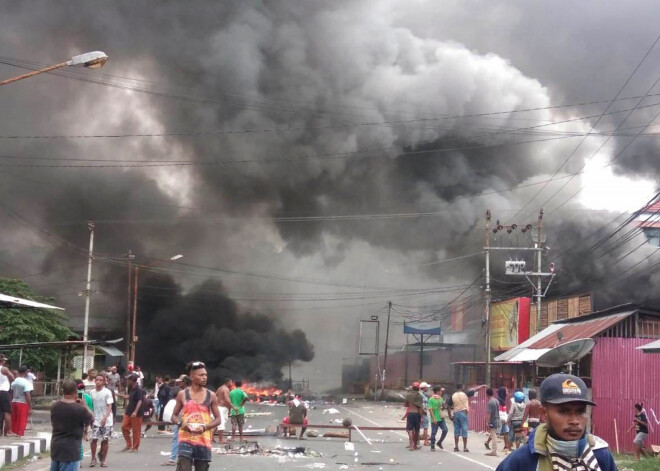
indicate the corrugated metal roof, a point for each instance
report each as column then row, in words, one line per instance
column 580, row 330
column 537, row 345
column 653, row 347
column 652, row 208
column 520, row 349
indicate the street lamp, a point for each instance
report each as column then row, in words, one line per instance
column 92, row 60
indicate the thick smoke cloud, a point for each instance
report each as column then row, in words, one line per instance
column 364, row 97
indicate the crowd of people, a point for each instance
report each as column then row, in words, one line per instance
column 193, row 413
column 548, row 430
column 548, row 433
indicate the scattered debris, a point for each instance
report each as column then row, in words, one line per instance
column 349, row 446
column 347, row 422
column 331, row 410
column 257, row 414
column 253, row 448
column 344, row 401
column 313, row 433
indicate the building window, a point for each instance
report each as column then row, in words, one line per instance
column 653, row 235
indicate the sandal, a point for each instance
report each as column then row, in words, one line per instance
column 92, row 464
column 169, row 463
column 103, row 465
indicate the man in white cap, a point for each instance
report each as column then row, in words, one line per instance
column 423, row 388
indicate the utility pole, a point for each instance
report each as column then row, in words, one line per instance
column 128, row 310
column 88, row 291
column 133, row 330
column 539, row 292
column 487, row 296
column 387, row 338
column 421, row 357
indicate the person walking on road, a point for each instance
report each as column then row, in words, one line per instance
column 641, row 424
column 238, row 399
column 437, row 421
column 493, row 409
column 532, row 411
column 460, row 409
column 195, row 404
column 69, row 419
column 132, row 422
column 516, row 414
column 561, row 443
column 103, row 420
column 163, row 396
column 504, row 418
column 413, row 416
column 21, row 402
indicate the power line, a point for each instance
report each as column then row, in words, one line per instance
column 529, row 201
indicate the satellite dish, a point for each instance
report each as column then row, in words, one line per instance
column 566, row 354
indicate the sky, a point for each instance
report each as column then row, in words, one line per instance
column 314, row 160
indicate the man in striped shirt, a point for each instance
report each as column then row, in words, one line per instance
column 561, row 443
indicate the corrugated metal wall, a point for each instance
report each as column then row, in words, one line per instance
column 478, row 418
column 622, row 376
column 437, row 366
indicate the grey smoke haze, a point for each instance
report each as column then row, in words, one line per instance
column 316, row 70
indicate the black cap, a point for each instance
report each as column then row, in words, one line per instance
column 563, row 388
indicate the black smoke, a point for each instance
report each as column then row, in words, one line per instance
column 318, row 73
column 204, row 324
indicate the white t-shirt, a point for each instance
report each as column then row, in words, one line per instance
column 31, row 377
column 89, row 384
column 140, row 378
column 100, row 400
column 4, row 382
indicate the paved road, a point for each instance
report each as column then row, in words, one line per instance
column 387, row 450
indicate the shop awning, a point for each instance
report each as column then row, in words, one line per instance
column 110, row 350
column 13, row 301
column 653, row 347
column 560, row 333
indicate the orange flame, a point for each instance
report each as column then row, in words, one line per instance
column 261, row 391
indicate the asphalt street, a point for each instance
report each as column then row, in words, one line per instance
column 387, row 452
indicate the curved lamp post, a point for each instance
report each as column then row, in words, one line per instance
column 93, row 60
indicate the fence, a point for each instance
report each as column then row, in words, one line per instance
column 47, row 388
column 478, row 418
column 622, row 376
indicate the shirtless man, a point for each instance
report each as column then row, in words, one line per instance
column 195, row 404
column 533, row 411
column 225, row 404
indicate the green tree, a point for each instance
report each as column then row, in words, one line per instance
column 20, row 325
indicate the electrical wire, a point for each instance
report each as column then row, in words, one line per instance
column 570, row 156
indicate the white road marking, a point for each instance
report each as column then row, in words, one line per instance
column 403, row 435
